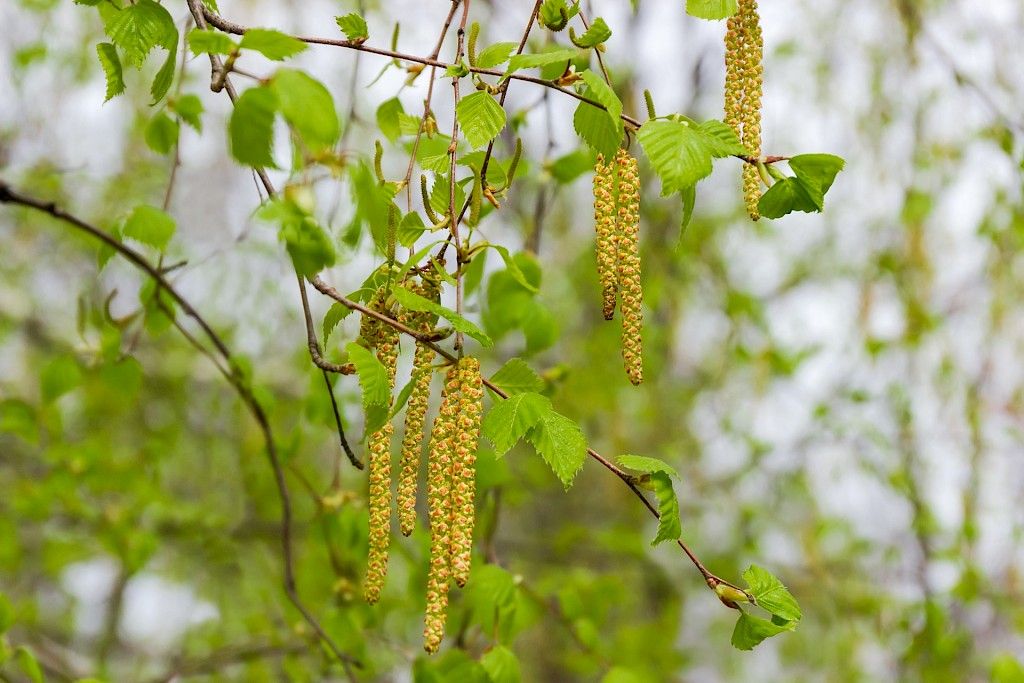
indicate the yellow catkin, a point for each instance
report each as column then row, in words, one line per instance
column 464, row 442
column 379, row 447
column 604, row 226
column 415, row 415
column 744, row 48
column 439, row 500
column 628, row 227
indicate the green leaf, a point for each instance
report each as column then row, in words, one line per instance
column 161, row 133
column 816, row 173
column 594, row 36
column 509, row 420
column 751, row 630
column 689, row 197
column 480, row 117
column 669, row 526
column 415, row 302
column 271, row 44
column 308, row 107
column 149, row 225
column 252, row 127
column 27, row 663
column 571, row 166
column 513, row 267
column 711, row 9
column 561, row 443
column 308, row 245
column 375, row 385
column 677, row 152
column 540, row 59
column 721, row 140
column 165, row 76
column 771, row 594
column 335, row 314
column 353, row 26
column 58, row 377
column 139, row 28
column 112, row 71
column 600, row 128
column 785, row 197
column 501, row 665
column 210, row 41
column 642, row 463
column 493, row 55
column 555, row 14
column 517, row 377
column 189, row 109
column 389, row 118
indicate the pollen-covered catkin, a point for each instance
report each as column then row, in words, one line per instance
column 379, row 447
column 439, row 500
column 744, row 47
column 415, row 414
column 604, row 226
column 628, row 242
column 464, row 442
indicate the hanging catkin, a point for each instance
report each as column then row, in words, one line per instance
column 604, row 225
column 628, row 242
column 439, row 500
column 385, row 339
column 744, row 48
column 464, row 444
column 415, row 412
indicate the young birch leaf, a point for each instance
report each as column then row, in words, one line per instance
column 165, row 76
column 271, row 44
column 711, row 9
column 354, row 27
column 388, row 118
column 509, row 420
column 161, row 133
column 501, row 665
column 594, row 36
column 560, row 442
column 785, row 197
column 603, row 93
column 677, row 153
column 139, row 28
column 308, row 108
column 493, row 55
column 415, row 302
column 669, row 526
column 540, row 59
column 600, row 128
column 149, row 225
column 816, row 173
column 480, row 117
column 335, row 314
column 252, row 127
column 189, row 109
column 513, row 268
column 771, row 594
column 112, row 71
column 516, row 377
column 750, row 631
column 373, row 380
column 642, row 463
column 721, row 140
column 209, row 41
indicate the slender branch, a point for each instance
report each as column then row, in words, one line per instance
column 453, row 151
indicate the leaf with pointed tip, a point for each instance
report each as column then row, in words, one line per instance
column 561, row 443
column 711, row 9
column 771, row 594
column 209, row 41
column 677, row 152
column 353, row 26
column 111, row 63
column 480, row 117
column 415, row 302
column 516, row 377
column 595, row 35
column 647, row 465
column 751, row 630
column 493, row 55
column 510, row 420
column 308, row 108
column 532, row 61
column 149, row 225
column 335, row 314
column 669, row 526
column 271, row 43
column 252, row 127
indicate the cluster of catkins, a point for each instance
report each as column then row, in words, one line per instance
column 743, row 81
column 451, row 468
column 617, row 223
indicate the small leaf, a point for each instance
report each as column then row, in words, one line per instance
column 189, row 109
column 161, row 133
column 509, row 420
column 711, row 9
column 149, row 225
column 785, row 197
column 375, row 385
column 516, row 377
column 210, row 41
column 642, row 463
column 513, row 267
column 501, row 665
column 354, row 27
column 669, row 526
column 252, row 127
column 816, row 172
column 594, row 36
column 28, row 664
column 271, row 44
column 600, row 128
column 493, row 55
column 58, row 377
column 561, row 443
column 410, row 229
column 677, row 153
column 540, row 59
column 335, row 314
column 415, row 302
column 138, row 28
column 480, row 117
column 751, row 631
column 308, row 108
column 721, row 140
column 771, row 594
column 112, row 71
column 388, row 118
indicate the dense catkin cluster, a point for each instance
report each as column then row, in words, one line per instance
column 450, row 491
column 416, row 410
column 385, row 339
column 604, row 225
column 628, row 242
column 744, row 48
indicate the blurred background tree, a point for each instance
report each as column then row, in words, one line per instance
column 840, row 393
